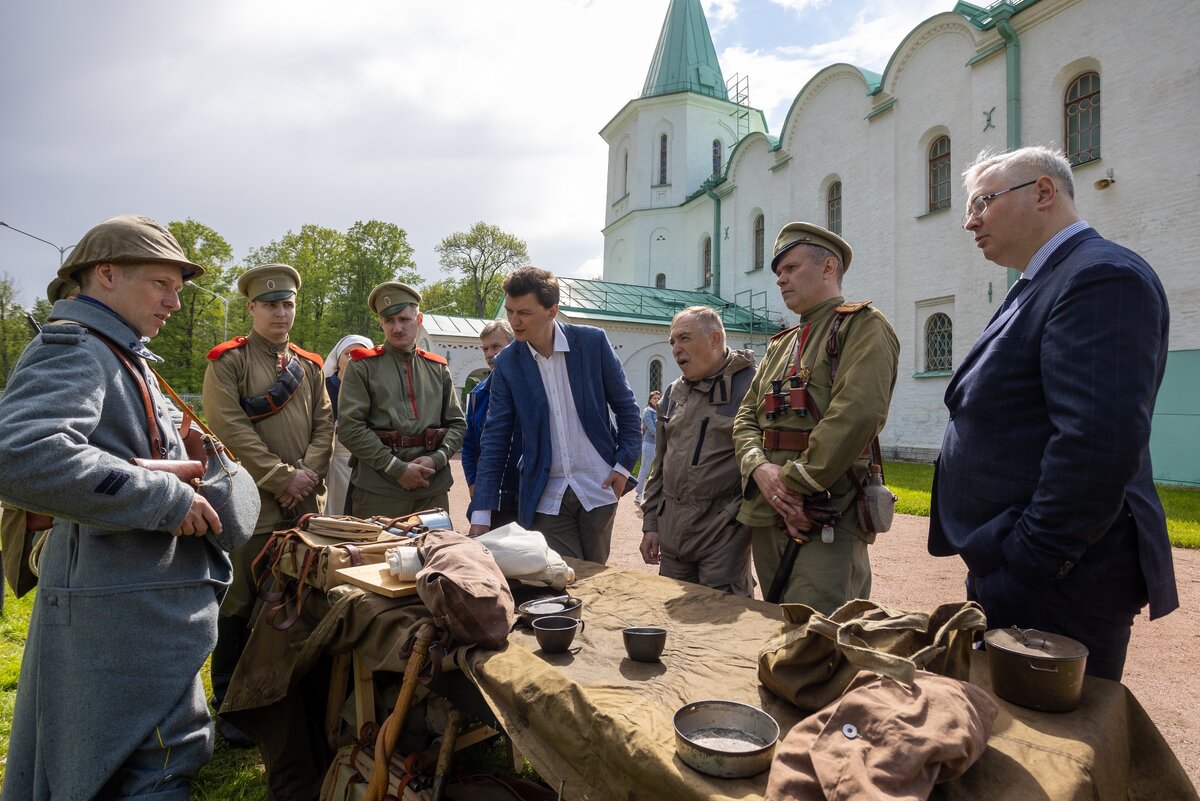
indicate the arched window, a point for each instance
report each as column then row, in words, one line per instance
column 833, row 208
column 759, row 241
column 660, row 281
column 939, row 343
column 1081, row 118
column 625, row 176
column 662, row 159
column 656, row 372
column 939, row 174
column 707, row 261
column 716, row 156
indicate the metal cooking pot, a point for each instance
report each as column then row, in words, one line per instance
column 725, row 739
column 1035, row 669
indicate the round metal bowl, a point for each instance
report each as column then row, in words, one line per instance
column 725, row 739
column 541, row 607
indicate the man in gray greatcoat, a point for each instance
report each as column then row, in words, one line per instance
column 109, row 701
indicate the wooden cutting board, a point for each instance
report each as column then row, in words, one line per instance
column 377, row 579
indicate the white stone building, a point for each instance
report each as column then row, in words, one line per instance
column 878, row 157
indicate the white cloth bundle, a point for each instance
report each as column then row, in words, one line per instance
column 525, row 556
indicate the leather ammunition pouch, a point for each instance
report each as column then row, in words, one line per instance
column 776, row 440
column 274, row 399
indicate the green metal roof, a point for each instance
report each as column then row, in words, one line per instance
column 685, row 59
column 452, row 326
column 630, row 302
column 985, row 17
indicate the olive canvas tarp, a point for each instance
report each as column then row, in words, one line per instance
column 600, row 725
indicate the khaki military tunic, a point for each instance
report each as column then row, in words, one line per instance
column 273, row 449
column 854, row 410
column 384, row 388
column 694, row 493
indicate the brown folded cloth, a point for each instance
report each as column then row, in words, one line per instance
column 884, row 740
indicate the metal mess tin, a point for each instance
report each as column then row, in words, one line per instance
column 1036, row 669
column 725, row 739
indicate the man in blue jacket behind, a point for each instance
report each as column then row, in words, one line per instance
column 495, row 337
column 574, row 465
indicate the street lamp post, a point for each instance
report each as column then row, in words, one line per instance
column 62, row 251
column 224, row 311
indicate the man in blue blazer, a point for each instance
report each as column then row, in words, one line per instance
column 561, row 382
column 1043, row 485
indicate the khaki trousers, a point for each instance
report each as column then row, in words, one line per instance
column 826, row 575
column 368, row 504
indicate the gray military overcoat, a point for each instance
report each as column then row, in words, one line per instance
column 126, row 613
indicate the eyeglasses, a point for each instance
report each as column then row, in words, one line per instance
column 979, row 205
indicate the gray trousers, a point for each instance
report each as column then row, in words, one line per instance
column 576, row 532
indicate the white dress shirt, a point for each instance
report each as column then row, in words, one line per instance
column 574, row 461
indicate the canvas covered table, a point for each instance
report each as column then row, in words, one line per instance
column 600, row 725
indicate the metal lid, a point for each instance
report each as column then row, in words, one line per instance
column 1031, row 642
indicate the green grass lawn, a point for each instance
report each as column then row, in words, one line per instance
column 238, row 774
column 911, row 483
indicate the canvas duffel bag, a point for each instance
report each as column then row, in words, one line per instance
column 814, row 658
column 465, row 590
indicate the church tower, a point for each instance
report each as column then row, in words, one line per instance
column 668, row 149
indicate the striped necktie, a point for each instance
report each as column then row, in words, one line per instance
column 1013, row 291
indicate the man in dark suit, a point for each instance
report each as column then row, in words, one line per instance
column 562, row 380
column 1043, row 485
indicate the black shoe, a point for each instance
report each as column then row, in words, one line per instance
column 235, row 737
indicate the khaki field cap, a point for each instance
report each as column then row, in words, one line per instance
column 802, row 233
column 269, row 282
column 387, row 299
column 59, row 289
column 128, row 239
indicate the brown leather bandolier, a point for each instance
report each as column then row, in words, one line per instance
column 429, row 439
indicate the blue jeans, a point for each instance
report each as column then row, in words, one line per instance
column 644, row 472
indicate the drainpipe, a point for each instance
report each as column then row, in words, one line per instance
column 1012, row 64
column 716, row 237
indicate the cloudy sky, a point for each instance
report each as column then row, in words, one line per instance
column 255, row 117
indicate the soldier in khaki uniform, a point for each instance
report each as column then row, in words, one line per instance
column 265, row 398
column 398, row 414
column 689, row 515
column 784, row 459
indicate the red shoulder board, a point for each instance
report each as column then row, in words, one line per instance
column 225, row 347
column 853, row 308
column 784, row 331
column 358, row 354
column 312, row 357
column 433, row 357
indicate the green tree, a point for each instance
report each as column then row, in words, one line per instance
column 449, row 296
column 199, row 322
column 375, row 252
column 14, row 330
column 482, row 256
column 320, row 256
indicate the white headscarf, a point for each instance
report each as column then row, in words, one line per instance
column 350, row 340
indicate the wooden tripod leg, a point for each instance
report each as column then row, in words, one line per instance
column 446, row 754
column 338, row 679
column 389, row 732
